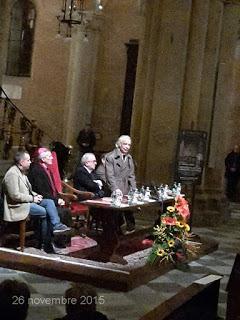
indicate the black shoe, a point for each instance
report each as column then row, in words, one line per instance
column 51, row 249
column 59, row 244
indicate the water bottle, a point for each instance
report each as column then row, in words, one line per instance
column 179, row 189
column 130, row 196
column 165, row 191
column 147, row 194
column 135, row 197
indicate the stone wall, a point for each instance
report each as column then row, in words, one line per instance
column 43, row 93
column 187, row 78
column 123, row 21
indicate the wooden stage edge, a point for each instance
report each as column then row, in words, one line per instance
column 108, row 275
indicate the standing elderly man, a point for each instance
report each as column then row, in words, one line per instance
column 120, row 174
column 20, row 200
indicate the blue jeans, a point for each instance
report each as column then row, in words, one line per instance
column 42, row 227
column 50, row 207
column 37, row 211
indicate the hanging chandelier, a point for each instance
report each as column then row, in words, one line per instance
column 76, row 12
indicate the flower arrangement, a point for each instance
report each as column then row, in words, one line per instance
column 172, row 236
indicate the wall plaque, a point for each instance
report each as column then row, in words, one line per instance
column 191, row 155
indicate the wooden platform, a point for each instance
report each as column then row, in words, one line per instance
column 111, row 275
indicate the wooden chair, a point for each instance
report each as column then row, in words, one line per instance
column 69, row 194
column 78, row 209
column 21, row 232
column 72, row 202
column 74, row 194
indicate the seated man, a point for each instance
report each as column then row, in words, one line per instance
column 42, row 182
column 20, row 200
column 85, row 178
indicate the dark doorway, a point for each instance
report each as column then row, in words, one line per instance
column 132, row 55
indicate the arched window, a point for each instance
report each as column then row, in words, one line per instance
column 20, row 42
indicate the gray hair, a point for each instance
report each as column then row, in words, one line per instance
column 85, row 158
column 43, row 154
column 121, row 139
column 20, row 155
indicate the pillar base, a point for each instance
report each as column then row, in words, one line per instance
column 211, row 208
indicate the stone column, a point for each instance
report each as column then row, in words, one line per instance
column 3, row 36
column 235, row 115
column 144, row 86
column 210, row 65
column 216, row 110
column 223, row 104
column 209, row 74
column 81, row 77
column 159, row 86
column 194, row 66
column 1, row 42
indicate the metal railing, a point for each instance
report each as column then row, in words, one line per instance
column 16, row 129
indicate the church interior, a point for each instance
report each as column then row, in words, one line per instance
column 166, row 73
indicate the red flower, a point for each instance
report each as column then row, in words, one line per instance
column 147, row 242
column 180, row 201
column 182, row 207
column 169, row 221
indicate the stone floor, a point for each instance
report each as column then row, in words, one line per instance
column 134, row 304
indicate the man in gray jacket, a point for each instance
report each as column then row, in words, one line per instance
column 120, row 176
column 20, row 200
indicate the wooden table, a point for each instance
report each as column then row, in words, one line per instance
column 109, row 215
column 106, row 204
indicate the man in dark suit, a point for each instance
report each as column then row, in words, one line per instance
column 85, row 178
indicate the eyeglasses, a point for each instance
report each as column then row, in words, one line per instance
column 92, row 161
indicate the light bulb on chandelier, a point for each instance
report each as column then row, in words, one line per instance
column 76, row 12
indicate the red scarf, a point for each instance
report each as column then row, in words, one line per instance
column 55, row 173
column 47, row 171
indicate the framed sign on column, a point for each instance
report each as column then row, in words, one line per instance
column 191, row 154
column 191, row 158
